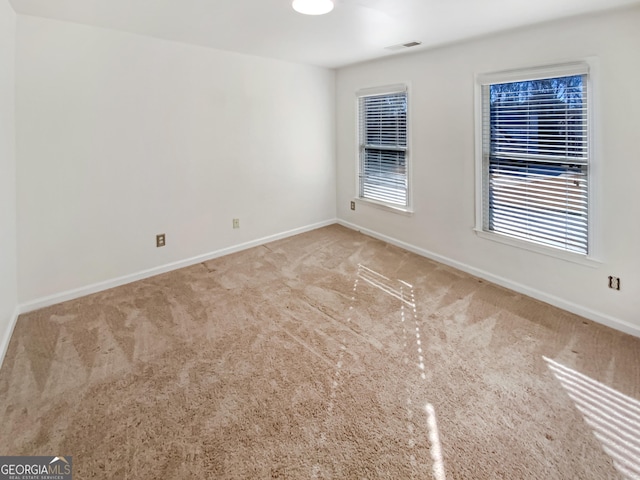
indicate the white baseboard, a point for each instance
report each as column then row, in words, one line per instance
column 6, row 338
column 116, row 282
column 588, row 313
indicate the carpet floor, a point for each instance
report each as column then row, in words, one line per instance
column 325, row 355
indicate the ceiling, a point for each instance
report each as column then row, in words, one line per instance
column 355, row 31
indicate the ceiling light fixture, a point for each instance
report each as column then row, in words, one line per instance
column 312, row 7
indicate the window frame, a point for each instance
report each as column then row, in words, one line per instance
column 403, row 87
column 588, row 66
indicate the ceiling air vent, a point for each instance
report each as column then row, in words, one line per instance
column 402, row 46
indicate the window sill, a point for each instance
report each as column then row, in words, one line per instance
column 383, row 206
column 586, row 260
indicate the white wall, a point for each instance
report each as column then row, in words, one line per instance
column 8, row 278
column 121, row 137
column 442, row 103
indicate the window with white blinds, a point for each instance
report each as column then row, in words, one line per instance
column 382, row 170
column 535, row 160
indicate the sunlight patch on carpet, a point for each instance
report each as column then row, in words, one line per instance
column 414, row 356
column 434, row 436
column 317, row 469
column 436, row 447
column 383, row 283
column 613, row 416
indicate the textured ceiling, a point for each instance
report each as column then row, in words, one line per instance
column 356, row 30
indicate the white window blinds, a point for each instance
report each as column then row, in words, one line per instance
column 536, row 161
column 383, row 147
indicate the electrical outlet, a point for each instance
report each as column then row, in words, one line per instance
column 614, row 283
column 353, row 205
column 160, row 240
column 236, row 223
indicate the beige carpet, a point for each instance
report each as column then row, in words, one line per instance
column 325, row 355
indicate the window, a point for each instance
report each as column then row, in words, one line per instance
column 382, row 164
column 535, row 157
